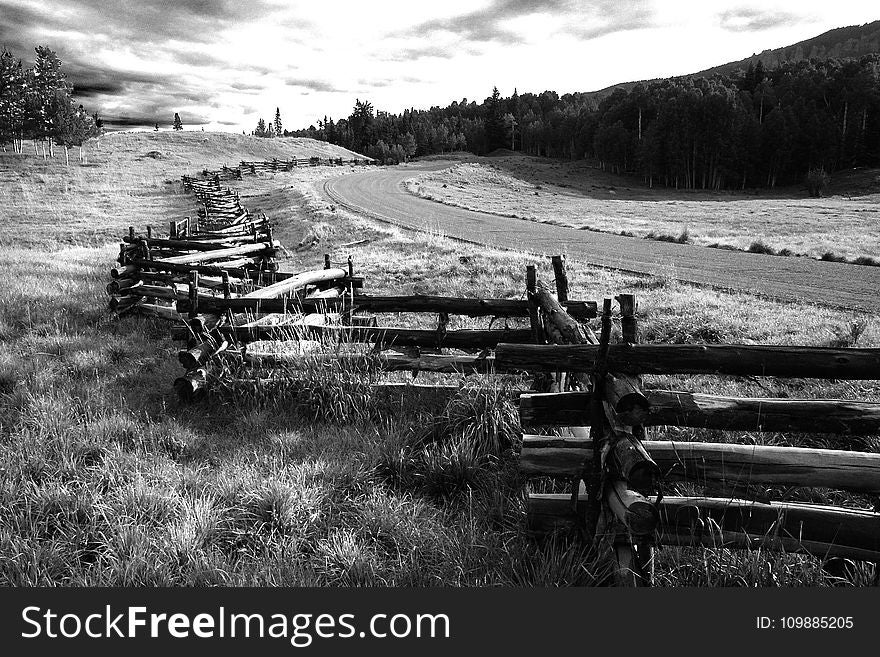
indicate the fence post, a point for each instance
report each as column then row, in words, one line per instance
column 628, row 322
column 193, row 293
column 561, row 278
column 534, row 317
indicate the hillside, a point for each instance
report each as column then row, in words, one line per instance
column 173, row 150
column 850, row 41
column 127, row 176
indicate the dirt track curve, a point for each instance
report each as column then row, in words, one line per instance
column 381, row 194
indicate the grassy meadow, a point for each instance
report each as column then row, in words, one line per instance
column 105, row 479
column 846, row 223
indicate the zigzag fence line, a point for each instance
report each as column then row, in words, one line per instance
column 216, row 278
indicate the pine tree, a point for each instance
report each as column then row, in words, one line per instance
column 72, row 125
column 278, row 131
column 494, row 122
column 12, row 90
column 261, row 128
column 178, row 124
column 45, row 83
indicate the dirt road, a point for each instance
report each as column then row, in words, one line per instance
column 380, row 194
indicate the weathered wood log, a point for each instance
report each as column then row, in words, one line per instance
column 122, row 304
column 415, row 303
column 188, row 245
column 689, row 409
column 191, row 385
column 162, row 312
column 299, row 281
column 560, row 277
column 203, row 323
column 572, row 332
column 391, row 362
column 808, row 522
column 124, row 271
column 200, row 354
column 636, row 513
column 261, row 248
column 718, row 462
column 821, row 531
column 628, row 458
column 462, row 339
column 732, row 359
column 119, row 285
column 628, row 324
column 209, row 270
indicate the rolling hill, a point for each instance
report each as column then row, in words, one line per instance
column 850, row 41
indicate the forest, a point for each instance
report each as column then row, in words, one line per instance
column 36, row 104
column 755, row 128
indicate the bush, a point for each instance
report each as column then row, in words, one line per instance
column 866, row 261
column 817, row 182
column 682, row 238
column 759, row 247
column 831, row 256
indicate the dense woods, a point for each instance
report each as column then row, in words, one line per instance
column 35, row 103
column 754, row 128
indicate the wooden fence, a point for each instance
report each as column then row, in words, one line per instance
column 598, row 413
column 216, row 278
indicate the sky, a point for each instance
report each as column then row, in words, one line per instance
column 223, row 64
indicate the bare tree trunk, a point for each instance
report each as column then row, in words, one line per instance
column 66, row 156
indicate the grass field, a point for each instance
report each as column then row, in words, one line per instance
column 106, row 480
column 846, row 223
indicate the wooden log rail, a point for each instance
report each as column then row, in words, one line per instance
column 415, row 303
column 385, row 336
column 260, row 248
column 389, row 362
column 731, row 359
column 730, row 463
column 822, row 531
column 690, row 409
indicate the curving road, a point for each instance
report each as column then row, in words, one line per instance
column 381, row 194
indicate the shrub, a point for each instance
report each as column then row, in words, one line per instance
column 831, row 256
column 759, row 247
column 682, row 238
column 848, row 335
column 817, row 181
column 866, row 261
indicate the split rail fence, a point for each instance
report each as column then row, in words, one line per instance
column 216, row 277
column 599, row 409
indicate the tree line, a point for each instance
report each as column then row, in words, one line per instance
column 36, row 104
column 753, row 128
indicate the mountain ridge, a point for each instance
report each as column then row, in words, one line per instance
column 847, row 41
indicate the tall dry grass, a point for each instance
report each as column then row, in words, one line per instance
column 106, row 480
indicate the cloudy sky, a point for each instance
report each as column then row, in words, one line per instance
column 226, row 63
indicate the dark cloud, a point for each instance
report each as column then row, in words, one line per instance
column 746, row 19
column 584, row 18
column 148, row 30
